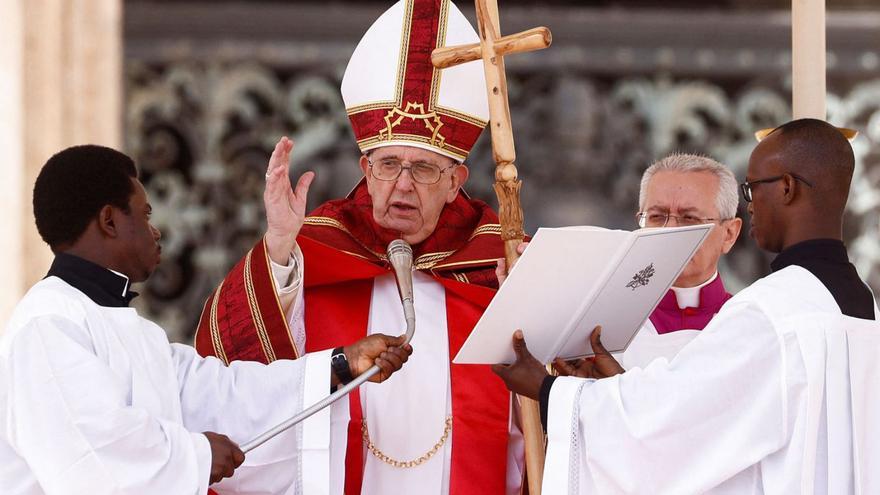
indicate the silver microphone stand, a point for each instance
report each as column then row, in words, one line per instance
column 401, row 258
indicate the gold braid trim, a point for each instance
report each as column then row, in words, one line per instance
column 404, row 51
column 256, row 314
column 428, row 260
column 465, row 117
column 437, row 74
column 465, row 263
column 296, row 353
column 459, row 153
column 215, row 328
column 489, row 228
column 326, row 222
column 336, row 224
column 365, row 107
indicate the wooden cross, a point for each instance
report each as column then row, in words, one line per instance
column 491, row 49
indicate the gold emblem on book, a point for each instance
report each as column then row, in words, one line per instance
column 432, row 122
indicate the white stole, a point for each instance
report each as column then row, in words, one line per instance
column 406, row 414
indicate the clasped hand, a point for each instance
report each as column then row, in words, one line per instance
column 525, row 375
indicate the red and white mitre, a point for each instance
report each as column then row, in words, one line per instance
column 393, row 94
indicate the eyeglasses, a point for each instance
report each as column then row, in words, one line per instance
column 746, row 187
column 660, row 219
column 389, row 169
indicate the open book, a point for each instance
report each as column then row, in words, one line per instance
column 571, row 279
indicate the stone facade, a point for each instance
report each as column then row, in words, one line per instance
column 209, row 89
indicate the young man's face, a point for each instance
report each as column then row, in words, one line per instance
column 138, row 236
column 764, row 209
column 404, row 205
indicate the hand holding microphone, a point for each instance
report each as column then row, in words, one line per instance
column 372, row 358
column 380, row 355
column 388, row 353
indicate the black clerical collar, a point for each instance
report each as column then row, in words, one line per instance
column 104, row 287
column 827, row 260
column 824, row 250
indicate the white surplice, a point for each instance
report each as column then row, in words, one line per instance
column 649, row 345
column 95, row 400
column 777, row 395
column 406, row 414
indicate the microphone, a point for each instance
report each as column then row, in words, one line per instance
column 401, row 258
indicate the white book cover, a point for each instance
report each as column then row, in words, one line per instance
column 571, row 279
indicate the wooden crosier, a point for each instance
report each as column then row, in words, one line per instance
column 491, row 49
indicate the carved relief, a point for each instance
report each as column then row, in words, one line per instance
column 202, row 133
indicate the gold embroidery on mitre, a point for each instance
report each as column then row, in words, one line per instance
column 431, row 119
column 450, row 150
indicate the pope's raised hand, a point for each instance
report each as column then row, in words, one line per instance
column 285, row 206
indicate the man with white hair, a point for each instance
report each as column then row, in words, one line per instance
column 778, row 394
column 679, row 190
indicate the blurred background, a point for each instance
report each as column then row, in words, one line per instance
column 198, row 92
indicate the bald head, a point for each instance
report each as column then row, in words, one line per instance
column 812, row 164
column 817, row 151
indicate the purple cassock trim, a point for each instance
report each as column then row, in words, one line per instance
column 668, row 317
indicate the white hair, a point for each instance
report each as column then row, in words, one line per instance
column 727, row 197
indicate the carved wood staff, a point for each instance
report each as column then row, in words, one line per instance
column 491, row 49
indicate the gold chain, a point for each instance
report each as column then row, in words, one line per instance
column 405, row 464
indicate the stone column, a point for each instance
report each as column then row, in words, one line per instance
column 61, row 76
column 12, row 192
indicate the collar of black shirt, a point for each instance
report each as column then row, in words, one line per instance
column 103, row 286
column 827, row 260
column 827, row 250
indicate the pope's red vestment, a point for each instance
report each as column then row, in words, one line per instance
column 344, row 251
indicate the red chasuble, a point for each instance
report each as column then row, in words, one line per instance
column 343, row 249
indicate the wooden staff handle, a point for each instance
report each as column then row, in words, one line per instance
column 507, row 187
column 491, row 50
column 534, row 443
column 530, row 410
column 526, row 41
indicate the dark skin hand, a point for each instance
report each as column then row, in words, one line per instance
column 378, row 349
column 601, row 365
column 225, row 456
column 388, row 353
column 526, row 374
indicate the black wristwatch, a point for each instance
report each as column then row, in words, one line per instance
column 340, row 367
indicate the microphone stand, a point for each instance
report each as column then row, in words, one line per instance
column 401, row 258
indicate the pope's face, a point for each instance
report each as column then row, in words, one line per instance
column 693, row 194
column 404, row 205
